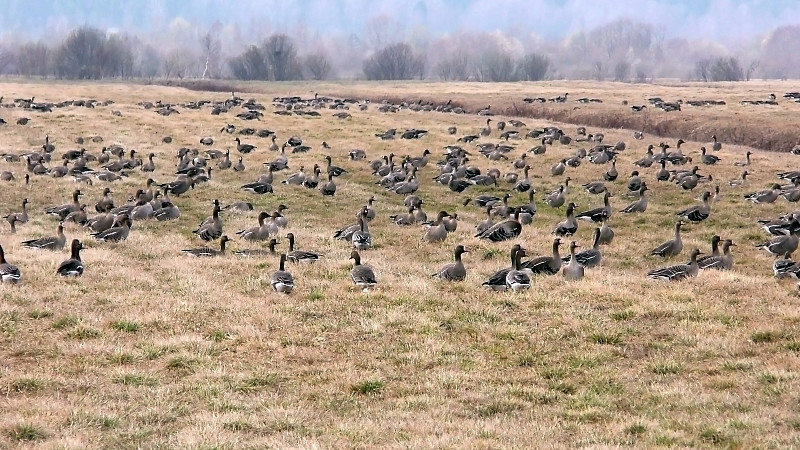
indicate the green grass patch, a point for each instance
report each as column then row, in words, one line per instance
column 125, row 326
column 135, row 379
column 26, row 432
column 367, row 387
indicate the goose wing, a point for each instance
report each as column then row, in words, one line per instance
column 670, row 273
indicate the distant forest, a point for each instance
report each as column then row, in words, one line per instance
column 623, row 50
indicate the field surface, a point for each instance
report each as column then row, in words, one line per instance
column 152, row 348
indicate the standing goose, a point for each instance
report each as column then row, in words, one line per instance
column 502, row 231
column 454, row 271
column 211, row 229
column 299, row 255
column 73, row 267
column 556, row 199
column 568, row 226
column 746, row 161
column 370, row 208
column 781, row 245
column 362, row 239
column 149, row 166
column 296, row 179
column 206, row 251
column 62, row 210
column 281, row 280
column 225, row 162
column 55, row 243
column 104, row 201
column 497, row 281
column 450, row 223
column 606, row 232
column 518, row 279
column 486, row 223
column 9, row 273
column 244, row 148
column 335, row 171
column 487, row 130
column 437, row 232
column 20, row 217
column 256, row 233
column 273, row 147
column 612, row 173
column 313, row 181
column 591, row 257
column 346, row 232
column 329, row 188
column 574, row 270
column 558, row 169
column 524, row 184
column 672, row 247
column 698, row 213
column 679, row 271
column 239, row 166
column 717, row 146
column 362, row 275
column 634, row 182
column 720, row 262
column 639, row 206
column 116, row 234
column 596, row 214
column 168, row 211
column 765, row 196
column 545, row 265
column 528, row 211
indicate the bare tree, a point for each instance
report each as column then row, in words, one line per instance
column 533, row 67
column 395, row 62
column 33, row 59
column 212, row 49
column 751, row 69
column 454, row 67
column 250, row 65
column 702, row 69
column 6, row 58
column 79, row 56
column 280, row 54
column 599, row 71
column 726, row 70
column 177, row 63
column 317, row 66
column 621, row 70
column 496, row 65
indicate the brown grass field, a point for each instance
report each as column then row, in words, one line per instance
column 154, row 349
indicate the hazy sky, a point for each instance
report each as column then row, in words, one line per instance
column 715, row 19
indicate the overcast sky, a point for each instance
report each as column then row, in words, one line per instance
column 721, row 20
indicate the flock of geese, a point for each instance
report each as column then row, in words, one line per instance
column 402, row 176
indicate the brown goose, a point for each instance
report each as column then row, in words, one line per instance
column 606, row 233
column 104, row 201
column 454, row 271
column 62, row 210
column 55, row 243
column 698, row 213
column 574, row 270
column 437, row 232
column 671, row 247
column 256, row 233
column 329, row 188
column 638, row 206
column 502, row 231
column 281, row 280
column 117, row 233
column 545, row 265
column 720, row 262
column 679, row 271
column 568, row 226
column 299, row 255
column 206, row 252
column 210, row 229
column 9, row 273
column 497, row 281
column 20, row 217
column 362, row 275
column 596, row 214
column 362, row 238
column 73, row 267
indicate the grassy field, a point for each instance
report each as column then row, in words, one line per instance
column 153, row 349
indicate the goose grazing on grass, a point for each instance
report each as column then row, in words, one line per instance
column 746, row 161
column 720, row 262
column 596, row 214
column 679, row 271
column 207, row 252
column 73, row 267
column 639, row 206
column 698, row 213
column 9, row 273
column 281, row 280
column 299, row 256
column 362, row 275
column 568, row 226
column 518, row 279
column 211, row 228
column 362, row 238
column 497, row 281
column 117, row 233
column 502, row 231
column 54, row 243
column 588, row 258
column 781, row 245
column 574, row 270
column 545, row 265
column 20, row 217
column 454, row 271
column 765, row 196
column 671, row 247
column 62, row 210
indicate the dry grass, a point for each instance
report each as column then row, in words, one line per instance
column 153, row 349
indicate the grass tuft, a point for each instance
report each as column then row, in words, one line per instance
column 125, row 326
column 367, row 387
column 26, row 432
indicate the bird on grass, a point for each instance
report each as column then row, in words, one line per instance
column 678, row 271
column 281, row 280
column 454, row 271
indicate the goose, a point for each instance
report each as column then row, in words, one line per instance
column 211, row 229
column 450, row 223
column 79, row 217
column 723, row 262
column 281, row 162
column 142, row 211
column 647, row 160
column 404, row 219
column 357, row 154
column 117, row 233
column 528, row 211
column 206, row 251
column 672, row 247
column 258, row 187
column 717, row 146
column 639, row 206
column 698, row 213
column 239, row 166
column 611, row 174
column 454, row 271
column 437, row 232
column 569, row 226
column 487, row 130
column 606, row 232
column 362, row 275
column 370, row 208
column 486, row 223
column 591, row 257
column 459, row 185
column 502, row 210
column 329, row 188
column 238, row 207
column 483, row 200
column 524, row 184
column 6, row 176
column 9, row 273
column 296, row 179
column 765, row 196
column 54, row 243
column 168, row 211
column 73, row 267
column 521, row 162
column 741, row 181
column 634, row 182
column 259, row 251
column 103, row 221
column 406, row 187
column 278, row 218
column 785, row 267
column 299, row 255
column 273, row 147
column 20, row 217
column 781, row 245
column 545, row 265
column 518, row 279
column 497, row 281
column 420, row 161
column 104, row 201
column 595, row 187
column 225, row 162
column 595, row 214
column 679, row 271
column 207, row 141
column 313, row 181
column 540, row 149
column 511, row 177
column 256, row 233
column 574, row 270
column 715, row 240
column 346, row 232
column 335, row 171
column 281, row 280
column 558, row 169
column 62, row 211
column 746, row 161
column 708, row 159
column 556, row 199
column 502, row 231
column 663, row 174
column 244, row 148
column 180, row 186
column 362, row 238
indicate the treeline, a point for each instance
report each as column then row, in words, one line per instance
column 622, row 50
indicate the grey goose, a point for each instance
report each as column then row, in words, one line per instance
column 296, row 178
column 103, row 221
column 746, row 161
column 270, row 250
column 595, row 187
column 612, row 173
column 346, row 233
column 781, row 245
column 715, row 240
column 211, row 228
column 104, row 201
column 55, row 243
column 679, row 271
column 574, row 270
column 436, row 232
column 450, row 223
column 708, row 159
column 741, row 181
column 256, row 233
column 313, row 181
column 117, row 233
column 244, row 148
column 362, row 275
column 335, row 171
column 634, row 182
column 671, row 247
column 281, row 280
column 20, row 217
column 596, row 214
column 485, row 224
column 568, row 226
column 362, row 238
column 524, row 184
column 720, row 262
column 647, row 160
column 168, row 211
column 72, row 267
column 639, row 206
column 207, row 252
column 502, row 231
column 258, row 187
column 301, row 256
column 518, row 279
column 62, row 210
column 545, row 265
column 558, row 169
column 765, row 196
column 454, row 271
column 556, row 199
column 785, row 267
column 590, row 257
column 497, row 281
column 9, row 273
column 663, row 174
column 329, row 188
column 698, row 213
column 239, row 166
column 79, row 217
column 717, row 146
column 181, row 185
